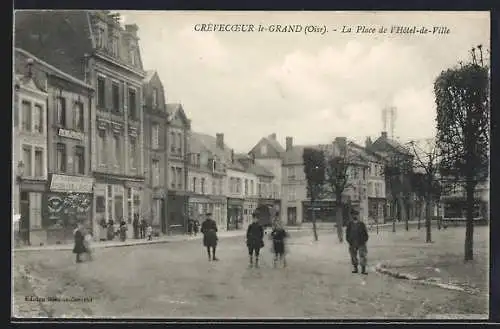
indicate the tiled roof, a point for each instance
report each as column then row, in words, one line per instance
column 58, row 37
column 251, row 167
column 275, row 144
column 294, row 155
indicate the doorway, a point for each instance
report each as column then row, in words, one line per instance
column 291, row 216
column 24, row 224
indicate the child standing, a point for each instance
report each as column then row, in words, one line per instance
column 278, row 235
column 149, row 232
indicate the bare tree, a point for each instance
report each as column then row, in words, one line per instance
column 314, row 169
column 426, row 167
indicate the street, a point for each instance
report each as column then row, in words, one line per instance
column 176, row 280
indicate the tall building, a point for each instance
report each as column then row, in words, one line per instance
column 155, row 153
column 94, row 47
column 178, row 130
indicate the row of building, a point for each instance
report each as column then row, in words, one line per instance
column 95, row 139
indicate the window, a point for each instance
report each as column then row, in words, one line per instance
column 101, row 93
column 38, row 118
column 291, row 173
column 115, row 93
column 259, row 187
column 214, row 187
column 78, row 116
column 132, row 103
column 179, row 148
column 26, row 123
column 100, row 37
column 132, row 55
column 79, row 160
column 156, row 173
column 291, row 194
column 263, row 149
column 61, row 111
column 114, row 45
column 194, row 184
column 238, row 185
column 101, row 145
column 172, row 142
column 179, row 178
column 198, row 158
column 39, row 172
column 173, row 177
column 221, row 189
column 61, row 157
column 155, row 135
column 203, row 186
column 251, row 188
column 133, row 152
column 118, row 150
column 377, row 190
column 27, row 160
column 155, row 97
column 370, row 188
column 246, row 186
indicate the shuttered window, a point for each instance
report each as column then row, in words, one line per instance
column 101, row 93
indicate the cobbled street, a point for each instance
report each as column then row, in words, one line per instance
column 174, row 280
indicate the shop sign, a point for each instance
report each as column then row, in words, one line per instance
column 76, row 184
column 71, row 134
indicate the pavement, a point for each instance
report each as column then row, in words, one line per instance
column 176, row 281
column 304, row 228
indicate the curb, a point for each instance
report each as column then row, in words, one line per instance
column 436, row 282
column 102, row 246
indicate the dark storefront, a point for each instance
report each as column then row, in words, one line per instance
column 177, row 211
column 234, row 214
column 324, row 211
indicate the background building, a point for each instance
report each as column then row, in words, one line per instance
column 269, row 154
column 178, row 130
column 155, row 153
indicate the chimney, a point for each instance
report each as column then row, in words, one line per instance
column 289, row 143
column 368, row 142
column 273, row 136
column 132, row 29
column 219, row 140
column 232, row 156
column 384, row 134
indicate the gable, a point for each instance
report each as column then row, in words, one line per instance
column 265, row 149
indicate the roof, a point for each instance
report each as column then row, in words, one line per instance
column 250, row 166
column 367, row 154
column 149, row 75
column 294, row 155
column 275, row 144
column 60, row 38
column 173, row 107
column 209, row 143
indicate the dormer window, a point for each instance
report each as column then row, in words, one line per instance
column 155, row 97
column 100, row 36
column 132, row 56
column 114, row 45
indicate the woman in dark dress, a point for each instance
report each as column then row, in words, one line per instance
column 79, row 247
column 209, row 230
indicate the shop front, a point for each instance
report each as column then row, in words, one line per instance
column 376, row 209
column 234, row 214
column 31, row 228
column 199, row 206
column 67, row 202
column 116, row 201
column 177, row 212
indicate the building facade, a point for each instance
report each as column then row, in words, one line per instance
column 206, row 179
column 94, row 47
column 29, row 151
column 269, row 154
column 177, row 132
column 155, row 153
column 242, row 196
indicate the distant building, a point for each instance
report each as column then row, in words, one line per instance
column 206, row 179
column 178, row 130
column 155, row 153
column 269, row 153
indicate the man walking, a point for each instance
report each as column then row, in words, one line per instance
column 357, row 236
column 209, row 230
column 255, row 239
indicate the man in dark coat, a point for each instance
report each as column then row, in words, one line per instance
column 209, row 231
column 135, row 224
column 79, row 247
column 142, row 229
column 255, row 239
column 357, row 236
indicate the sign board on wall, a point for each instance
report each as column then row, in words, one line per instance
column 66, row 183
column 71, row 134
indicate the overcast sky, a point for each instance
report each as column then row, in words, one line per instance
column 311, row 87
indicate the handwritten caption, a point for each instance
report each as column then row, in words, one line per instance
column 323, row 29
column 38, row 299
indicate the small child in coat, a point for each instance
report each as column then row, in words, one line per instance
column 149, row 232
column 279, row 235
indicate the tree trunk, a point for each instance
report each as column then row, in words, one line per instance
column 428, row 216
column 398, row 211
column 407, row 226
column 313, row 219
column 469, row 228
column 438, row 215
column 340, row 222
column 420, row 213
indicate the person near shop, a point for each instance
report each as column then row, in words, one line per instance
column 79, row 242
column 142, row 229
column 111, row 230
column 209, row 231
column 149, row 232
column 196, row 227
column 135, row 225
column 123, row 230
column 357, row 237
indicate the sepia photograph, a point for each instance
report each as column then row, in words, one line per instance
column 250, row 165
